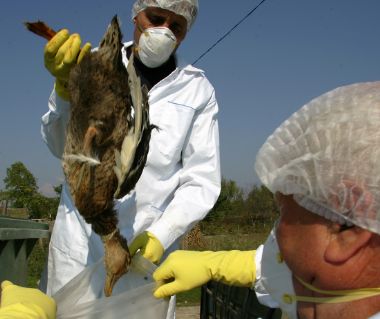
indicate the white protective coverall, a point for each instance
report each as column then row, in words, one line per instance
column 179, row 185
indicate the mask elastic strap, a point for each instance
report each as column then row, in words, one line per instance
column 140, row 28
column 338, row 296
column 135, row 45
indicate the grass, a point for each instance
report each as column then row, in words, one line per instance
column 36, row 262
column 189, row 298
column 15, row 212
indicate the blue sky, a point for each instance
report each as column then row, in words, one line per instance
column 283, row 55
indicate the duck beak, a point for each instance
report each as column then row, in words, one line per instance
column 108, row 285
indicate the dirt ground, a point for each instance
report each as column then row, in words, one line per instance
column 191, row 312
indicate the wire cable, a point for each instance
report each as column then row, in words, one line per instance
column 227, row 33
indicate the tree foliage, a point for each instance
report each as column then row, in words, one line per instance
column 58, row 190
column 261, row 206
column 22, row 190
column 229, row 202
column 20, row 184
column 43, row 207
column 258, row 207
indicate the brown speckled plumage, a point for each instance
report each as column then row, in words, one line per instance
column 106, row 143
column 99, row 120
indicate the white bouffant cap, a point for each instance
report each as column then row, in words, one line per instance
column 327, row 154
column 185, row 8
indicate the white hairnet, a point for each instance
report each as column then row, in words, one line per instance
column 185, row 8
column 327, row 155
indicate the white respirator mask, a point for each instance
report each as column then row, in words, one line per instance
column 155, row 46
column 275, row 279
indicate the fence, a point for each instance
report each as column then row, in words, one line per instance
column 17, row 238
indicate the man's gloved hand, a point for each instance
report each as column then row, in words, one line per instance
column 184, row 270
column 28, row 302
column 61, row 53
column 150, row 247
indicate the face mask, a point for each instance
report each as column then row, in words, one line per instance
column 155, row 46
column 275, row 279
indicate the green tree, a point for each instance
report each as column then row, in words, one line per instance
column 230, row 201
column 54, row 202
column 58, row 190
column 20, row 184
column 43, row 207
column 261, row 206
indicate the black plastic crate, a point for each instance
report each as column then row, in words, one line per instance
column 220, row 301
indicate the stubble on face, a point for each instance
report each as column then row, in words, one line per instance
column 302, row 238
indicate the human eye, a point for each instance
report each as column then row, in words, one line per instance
column 155, row 19
column 176, row 28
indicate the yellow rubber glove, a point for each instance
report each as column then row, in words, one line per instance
column 19, row 302
column 184, row 270
column 149, row 246
column 61, row 53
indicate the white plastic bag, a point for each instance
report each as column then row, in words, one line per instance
column 132, row 296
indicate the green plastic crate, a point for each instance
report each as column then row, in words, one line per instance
column 17, row 239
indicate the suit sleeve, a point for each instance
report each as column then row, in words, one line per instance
column 200, row 178
column 53, row 124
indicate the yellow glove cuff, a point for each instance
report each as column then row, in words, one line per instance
column 150, row 247
column 62, row 89
column 236, row 268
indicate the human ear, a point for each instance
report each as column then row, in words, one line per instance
column 345, row 243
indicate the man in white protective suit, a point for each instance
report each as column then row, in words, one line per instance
column 322, row 258
column 181, row 180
